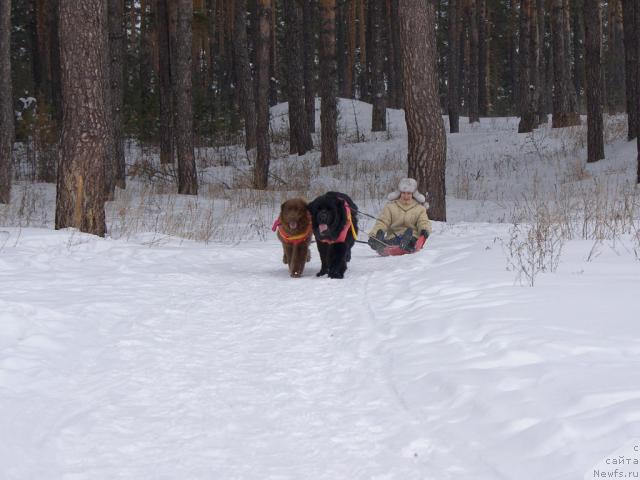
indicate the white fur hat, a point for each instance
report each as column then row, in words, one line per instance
column 407, row 185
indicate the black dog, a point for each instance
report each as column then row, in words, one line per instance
column 335, row 227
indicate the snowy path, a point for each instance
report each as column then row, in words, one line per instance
column 184, row 361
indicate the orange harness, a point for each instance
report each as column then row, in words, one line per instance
column 347, row 226
column 292, row 239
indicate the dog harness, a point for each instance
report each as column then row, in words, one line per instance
column 292, row 239
column 347, row 226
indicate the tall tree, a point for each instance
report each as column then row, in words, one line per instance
column 243, row 74
column 379, row 115
column 187, row 176
column 471, row 14
column 117, row 52
column 84, row 47
column 47, row 58
column 308, row 19
column 525, row 91
column 564, row 101
column 261, row 170
column 165, row 82
column 483, row 64
column 396, row 87
column 614, row 73
column 577, row 26
column 593, row 45
column 453, row 66
column 6, row 104
column 328, row 84
column 427, row 138
column 631, row 47
column 300, row 137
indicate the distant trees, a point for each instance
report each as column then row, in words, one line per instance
column 6, row 103
column 80, row 188
column 427, row 139
column 190, row 73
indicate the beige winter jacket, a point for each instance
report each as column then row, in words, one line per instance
column 397, row 217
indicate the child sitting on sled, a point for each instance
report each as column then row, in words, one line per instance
column 403, row 220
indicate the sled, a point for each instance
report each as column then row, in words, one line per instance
column 395, row 250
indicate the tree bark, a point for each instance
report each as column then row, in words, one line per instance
column 427, row 138
column 243, row 74
column 564, row 104
column 615, row 59
column 525, row 92
column 472, row 97
column 328, row 84
column 483, row 65
column 84, row 47
column 165, row 83
column 187, row 176
column 454, row 67
column 396, row 96
column 631, row 46
column 593, row 44
column 577, row 7
column 300, row 137
column 379, row 114
column 308, row 15
column 117, row 49
column 6, row 103
column 261, row 170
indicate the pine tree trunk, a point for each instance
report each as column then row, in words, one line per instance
column 564, row 104
column 631, row 46
column 363, row 47
column 577, row 7
column 6, row 103
column 349, row 9
column 615, row 59
column 379, row 114
column 187, row 176
column 427, row 138
column 84, row 47
column 46, row 76
column 300, row 137
column 261, row 171
column 165, row 87
column 308, row 29
column 543, row 79
column 397, row 96
column 273, row 57
column 483, row 66
column 593, row 45
column 525, row 92
column 454, row 66
column 328, row 85
column 117, row 51
column 472, row 98
column 243, row 74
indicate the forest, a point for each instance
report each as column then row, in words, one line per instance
column 179, row 75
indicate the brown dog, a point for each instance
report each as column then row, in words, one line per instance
column 294, row 232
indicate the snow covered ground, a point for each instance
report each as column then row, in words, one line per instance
column 148, row 356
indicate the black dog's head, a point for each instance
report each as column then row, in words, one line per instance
column 329, row 216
